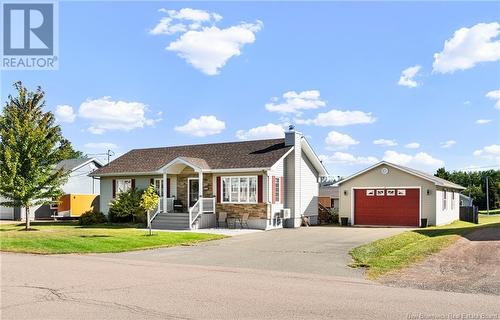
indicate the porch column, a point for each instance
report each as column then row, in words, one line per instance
column 165, row 191
column 200, row 189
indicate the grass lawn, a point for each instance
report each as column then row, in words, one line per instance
column 398, row 251
column 69, row 237
column 495, row 211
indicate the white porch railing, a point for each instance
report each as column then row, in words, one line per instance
column 170, row 205
column 207, row 206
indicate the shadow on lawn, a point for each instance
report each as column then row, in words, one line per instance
column 489, row 232
column 75, row 223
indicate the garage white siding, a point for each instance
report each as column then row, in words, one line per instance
column 450, row 212
column 6, row 213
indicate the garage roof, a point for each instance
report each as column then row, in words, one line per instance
column 436, row 180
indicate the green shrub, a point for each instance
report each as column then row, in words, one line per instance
column 91, row 217
column 127, row 207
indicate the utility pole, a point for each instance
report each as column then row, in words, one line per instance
column 487, row 197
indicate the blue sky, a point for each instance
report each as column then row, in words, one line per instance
column 331, row 68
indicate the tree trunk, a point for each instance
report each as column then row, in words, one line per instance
column 27, row 218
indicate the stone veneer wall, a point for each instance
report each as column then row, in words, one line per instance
column 256, row 210
column 182, row 183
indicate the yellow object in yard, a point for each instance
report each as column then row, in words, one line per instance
column 73, row 205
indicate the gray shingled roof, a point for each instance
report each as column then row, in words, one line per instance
column 71, row 164
column 227, row 155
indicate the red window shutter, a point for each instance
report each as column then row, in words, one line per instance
column 114, row 188
column 152, row 182
column 260, row 198
column 133, row 183
column 218, row 189
column 273, row 188
column 282, row 190
column 168, row 187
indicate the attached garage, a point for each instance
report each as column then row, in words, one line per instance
column 387, row 207
column 387, row 194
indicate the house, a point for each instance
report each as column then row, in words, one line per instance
column 392, row 195
column 258, row 178
column 80, row 193
column 329, row 196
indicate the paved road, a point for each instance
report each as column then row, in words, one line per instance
column 140, row 286
column 318, row 250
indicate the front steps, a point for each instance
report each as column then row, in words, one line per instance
column 171, row 221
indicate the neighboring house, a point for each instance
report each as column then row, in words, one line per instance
column 393, row 195
column 466, row 201
column 329, row 196
column 258, row 178
column 80, row 191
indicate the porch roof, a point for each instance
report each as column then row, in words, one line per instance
column 255, row 154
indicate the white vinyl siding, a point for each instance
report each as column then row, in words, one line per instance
column 309, row 188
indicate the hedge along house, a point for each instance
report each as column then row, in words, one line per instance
column 387, row 194
column 258, row 178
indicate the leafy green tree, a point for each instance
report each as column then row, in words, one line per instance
column 31, row 144
column 442, row 173
column 149, row 201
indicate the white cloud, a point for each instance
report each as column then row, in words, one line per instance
column 337, row 140
column 448, row 144
column 495, row 96
column 468, row 47
column 491, row 152
column 385, row 142
column 201, row 43
column 100, row 146
column 347, row 159
column 407, row 76
column 420, row 160
column 412, row 145
column 339, row 118
column 183, row 20
column 294, row 102
column 467, row 102
column 267, row 131
column 202, row 127
column 65, row 113
column 483, row 121
column 106, row 114
column 210, row 48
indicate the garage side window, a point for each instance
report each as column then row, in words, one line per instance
column 452, row 200
column 444, row 200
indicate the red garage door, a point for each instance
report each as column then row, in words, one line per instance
column 387, row 207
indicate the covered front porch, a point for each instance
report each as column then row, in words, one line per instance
column 186, row 195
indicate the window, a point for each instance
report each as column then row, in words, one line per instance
column 370, row 192
column 380, row 192
column 159, row 187
column 391, row 192
column 123, row 185
column 239, row 189
column 444, row 200
column 277, row 189
column 452, row 200
column 401, row 192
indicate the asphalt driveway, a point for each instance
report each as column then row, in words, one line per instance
column 316, row 250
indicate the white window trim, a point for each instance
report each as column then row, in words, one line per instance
column 277, row 197
column 239, row 189
column 161, row 186
column 445, row 200
column 117, row 189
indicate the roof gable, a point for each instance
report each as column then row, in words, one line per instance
column 426, row 176
column 74, row 164
column 228, row 155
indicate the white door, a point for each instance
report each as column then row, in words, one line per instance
column 6, row 213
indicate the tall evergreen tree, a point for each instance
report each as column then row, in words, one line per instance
column 31, row 144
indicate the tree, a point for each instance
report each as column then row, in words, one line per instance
column 149, row 201
column 31, row 144
column 442, row 173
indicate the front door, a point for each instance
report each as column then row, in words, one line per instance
column 193, row 191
